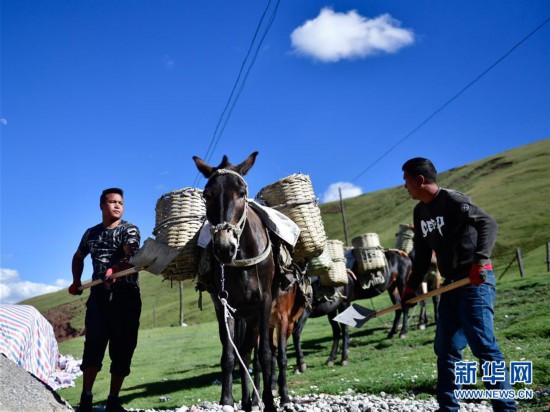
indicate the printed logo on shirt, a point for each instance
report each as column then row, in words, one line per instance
column 428, row 226
column 465, row 207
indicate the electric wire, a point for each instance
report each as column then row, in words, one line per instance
column 232, row 101
column 272, row 18
column 448, row 102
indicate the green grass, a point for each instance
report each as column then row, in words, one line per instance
column 182, row 363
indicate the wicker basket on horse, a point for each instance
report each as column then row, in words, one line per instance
column 404, row 238
column 179, row 216
column 337, row 274
column 293, row 196
column 320, row 265
column 368, row 252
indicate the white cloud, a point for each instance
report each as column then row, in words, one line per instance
column 4, row 122
column 332, row 36
column 14, row 290
column 348, row 190
column 168, row 61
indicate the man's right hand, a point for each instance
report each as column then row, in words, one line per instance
column 407, row 294
column 73, row 289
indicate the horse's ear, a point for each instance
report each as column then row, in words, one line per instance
column 203, row 167
column 245, row 166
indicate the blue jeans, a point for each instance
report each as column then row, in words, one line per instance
column 466, row 318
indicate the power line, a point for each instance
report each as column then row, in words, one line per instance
column 272, row 18
column 448, row 102
column 231, row 102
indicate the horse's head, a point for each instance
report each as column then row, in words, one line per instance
column 226, row 195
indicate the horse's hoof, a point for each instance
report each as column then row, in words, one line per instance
column 330, row 363
column 228, row 408
column 303, row 367
column 255, row 408
column 422, row 327
column 344, row 363
column 287, row 406
column 403, row 336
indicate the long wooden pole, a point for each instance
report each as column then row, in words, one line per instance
column 181, row 303
column 343, row 216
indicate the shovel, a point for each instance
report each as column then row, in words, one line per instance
column 357, row 315
column 153, row 256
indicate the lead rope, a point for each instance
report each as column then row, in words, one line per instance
column 227, row 310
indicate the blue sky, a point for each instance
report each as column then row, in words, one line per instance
column 96, row 94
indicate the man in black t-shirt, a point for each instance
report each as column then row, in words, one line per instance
column 114, row 307
column 462, row 236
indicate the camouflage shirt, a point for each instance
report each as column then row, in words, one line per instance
column 106, row 247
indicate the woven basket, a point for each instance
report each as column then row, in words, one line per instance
column 404, row 238
column 321, row 264
column 366, row 240
column 293, row 196
column 337, row 274
column 369, row 259
column 179, row 217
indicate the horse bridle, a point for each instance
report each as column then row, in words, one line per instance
column 237, row 229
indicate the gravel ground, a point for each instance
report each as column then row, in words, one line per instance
column 344, row 403
column 20, row 391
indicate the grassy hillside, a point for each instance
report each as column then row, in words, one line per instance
column 513, row 186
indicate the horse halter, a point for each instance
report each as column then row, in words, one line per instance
column 238, row 228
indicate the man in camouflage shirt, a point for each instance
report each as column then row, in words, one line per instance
column 114, row 307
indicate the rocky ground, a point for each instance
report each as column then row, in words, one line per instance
column 20, row 391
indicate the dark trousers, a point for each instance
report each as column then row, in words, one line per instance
column 112, row 318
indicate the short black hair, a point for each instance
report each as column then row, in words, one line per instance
column 109, row 191
column 421, row 166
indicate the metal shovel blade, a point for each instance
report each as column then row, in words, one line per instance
column 356, row 315
column 153, row 256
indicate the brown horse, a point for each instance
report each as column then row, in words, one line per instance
column 244, row 282
column 391, row 279
column 432, row 281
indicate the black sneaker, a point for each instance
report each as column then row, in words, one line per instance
column 114, row 405
column 85, row 403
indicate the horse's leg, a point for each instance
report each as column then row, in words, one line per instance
column 227, row 358
column 273, row 360
column 296, row 339
column 345, row 336
column 405, row 325
column 265, row 355
column 257, row 378
column 336, row 334
column 247, row 344
column 422, row 316
column 282, row 331
column 392, row 290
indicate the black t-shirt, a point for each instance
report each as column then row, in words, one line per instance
column 106, row 247
column 459, row 232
